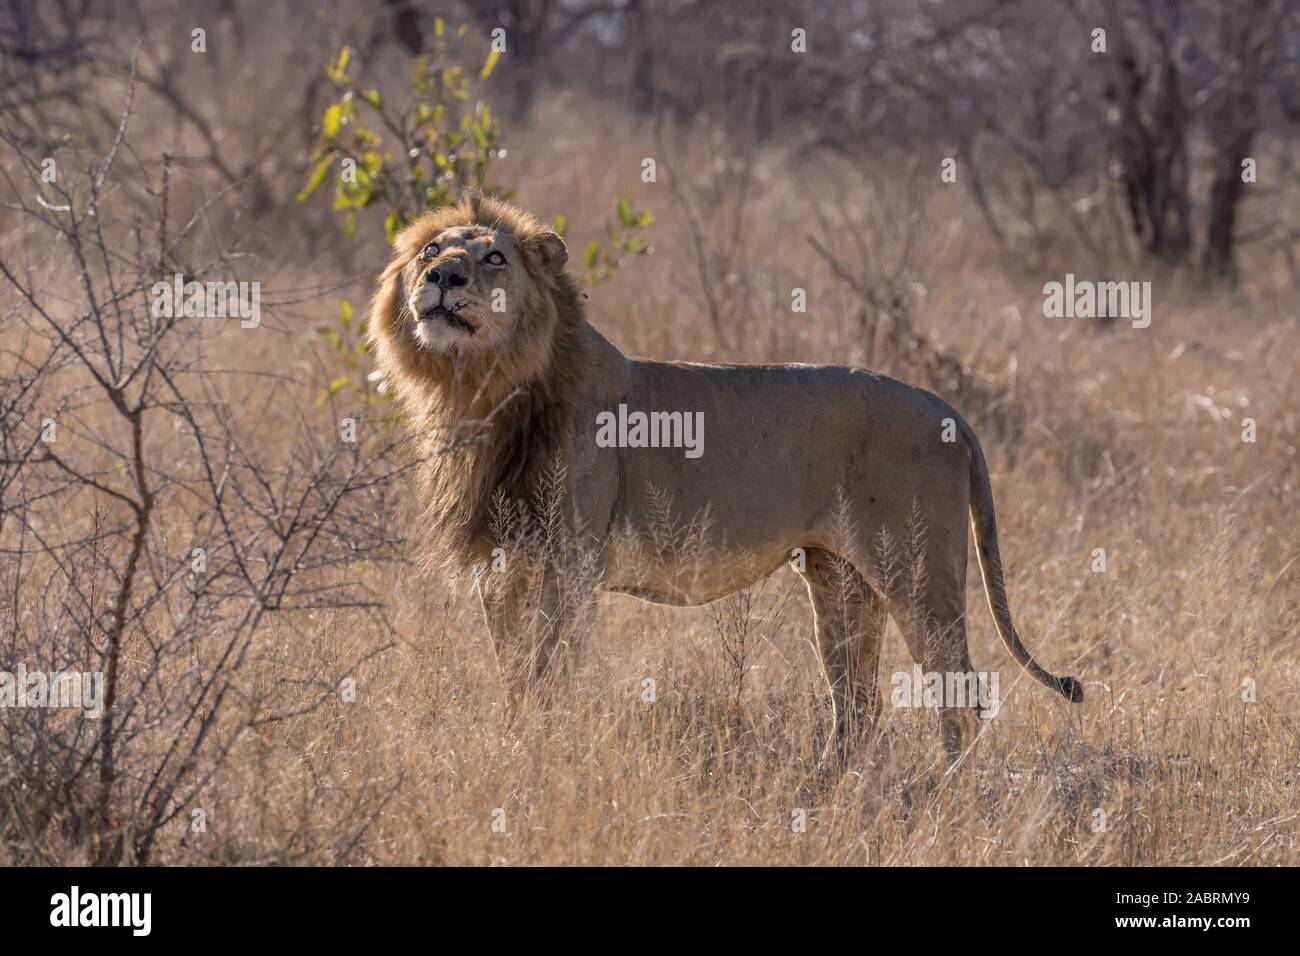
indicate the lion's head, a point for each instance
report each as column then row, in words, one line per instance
column 470, row 287
column 475, row 324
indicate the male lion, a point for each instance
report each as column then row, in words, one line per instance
column 484, row 335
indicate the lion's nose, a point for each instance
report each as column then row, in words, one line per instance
column 446, row 278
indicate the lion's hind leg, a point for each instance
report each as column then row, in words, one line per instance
column 933, row 625
column 850, row 621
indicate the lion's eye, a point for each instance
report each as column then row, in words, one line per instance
column 429, row 251
column 495, row 259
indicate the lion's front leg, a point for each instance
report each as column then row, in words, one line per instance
column 536, row 613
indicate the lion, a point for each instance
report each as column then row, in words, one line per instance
column 508, row 390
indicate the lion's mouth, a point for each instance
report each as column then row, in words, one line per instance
column 449, row 316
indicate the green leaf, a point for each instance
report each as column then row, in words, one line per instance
column 490, row 65
column 317, row 177
column 335, row 385
column 393, row 224
column 373, row 98
column 330, row 336
column 561, row 225
column 339, row 71
column 625, row 213
column 345, row 314
column 592, row 255
column 333, row 120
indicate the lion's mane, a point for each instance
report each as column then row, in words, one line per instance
column 485, row 428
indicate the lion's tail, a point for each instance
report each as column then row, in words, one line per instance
column 984, row 526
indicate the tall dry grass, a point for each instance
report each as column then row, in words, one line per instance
column 1122, row 439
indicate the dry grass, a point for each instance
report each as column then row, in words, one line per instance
column 1127, row 440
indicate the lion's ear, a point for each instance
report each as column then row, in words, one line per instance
column 548, row 250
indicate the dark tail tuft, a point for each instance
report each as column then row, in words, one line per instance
column 1071, row 689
